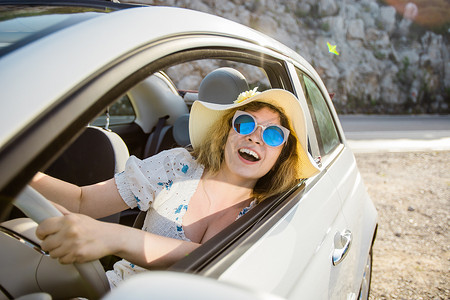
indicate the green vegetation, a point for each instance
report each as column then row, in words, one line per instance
column 403, row 73
column 300, row 13
column 325, row 26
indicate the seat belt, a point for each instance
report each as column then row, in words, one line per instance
column 151, row 146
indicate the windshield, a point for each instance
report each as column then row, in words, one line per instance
column 20, row 25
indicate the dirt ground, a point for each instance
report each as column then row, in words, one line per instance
column 411, row 255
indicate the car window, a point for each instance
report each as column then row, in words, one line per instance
column 188, row 75
column 121, row 112
column 325, row 128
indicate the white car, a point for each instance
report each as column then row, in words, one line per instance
column 62, row 65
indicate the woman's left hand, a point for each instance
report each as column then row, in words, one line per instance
column 74, row 238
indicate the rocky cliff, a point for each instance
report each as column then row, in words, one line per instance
column 386, row 64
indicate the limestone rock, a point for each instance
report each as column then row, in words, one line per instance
column 383, row 63
column 387, row 18
column 355, row 30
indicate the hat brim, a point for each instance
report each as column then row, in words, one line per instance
column 205, row 114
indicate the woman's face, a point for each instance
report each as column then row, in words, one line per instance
column 247, row 156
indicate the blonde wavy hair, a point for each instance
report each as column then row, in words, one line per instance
column 283, row 174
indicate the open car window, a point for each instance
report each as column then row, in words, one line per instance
column 134, row 117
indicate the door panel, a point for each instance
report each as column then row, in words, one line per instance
column 342, row 276
column 358, row 210
column 297, row 250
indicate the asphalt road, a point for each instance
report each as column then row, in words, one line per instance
column 375, row 133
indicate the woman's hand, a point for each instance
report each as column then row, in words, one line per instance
column 74, row 238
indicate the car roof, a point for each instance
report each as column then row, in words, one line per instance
column 34, row 77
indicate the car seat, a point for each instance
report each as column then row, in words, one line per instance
column 159, row 105
column 95, row 156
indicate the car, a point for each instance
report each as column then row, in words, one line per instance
column 85, row 84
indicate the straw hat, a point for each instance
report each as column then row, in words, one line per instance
column 204, row 115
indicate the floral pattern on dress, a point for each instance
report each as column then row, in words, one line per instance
column 162, row 185
column 167, row 184
column 180, row 207
column 137, row 202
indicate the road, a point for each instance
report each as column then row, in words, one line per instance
column 375, row 133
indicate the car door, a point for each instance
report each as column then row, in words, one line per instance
column 358, row 210
column 293, row 257
column 332, row 154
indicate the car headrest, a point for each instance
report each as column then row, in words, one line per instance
column 222, row 86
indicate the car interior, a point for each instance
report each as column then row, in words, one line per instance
column 167, row 120
column 160, row 119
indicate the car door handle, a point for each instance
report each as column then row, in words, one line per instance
column 342, row 243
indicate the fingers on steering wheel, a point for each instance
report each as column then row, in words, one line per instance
column 47, row 227
column 67, row 259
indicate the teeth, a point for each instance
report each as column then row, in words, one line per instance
column 249, row 152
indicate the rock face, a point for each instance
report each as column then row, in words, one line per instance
column 386, row 65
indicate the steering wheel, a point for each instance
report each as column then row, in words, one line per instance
column 38, row 208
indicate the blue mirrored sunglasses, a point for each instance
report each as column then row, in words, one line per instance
column 273, row 135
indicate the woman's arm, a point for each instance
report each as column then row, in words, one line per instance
column 79, row 238
column 97, row 200
column 146, row 249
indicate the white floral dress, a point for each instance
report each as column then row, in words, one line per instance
column 162, row 185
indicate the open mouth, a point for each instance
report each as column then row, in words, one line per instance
column 249, row 155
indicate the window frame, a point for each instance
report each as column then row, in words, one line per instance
column 318, row 154
column 78, row 108
column 314, row 117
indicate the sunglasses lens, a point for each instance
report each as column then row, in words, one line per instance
column 273, row 136
column 244, row 124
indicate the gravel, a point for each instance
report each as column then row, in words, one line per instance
column 411, row 255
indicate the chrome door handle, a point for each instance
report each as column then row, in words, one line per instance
column 342, row 243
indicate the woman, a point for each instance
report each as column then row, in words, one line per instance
column 243, row 153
